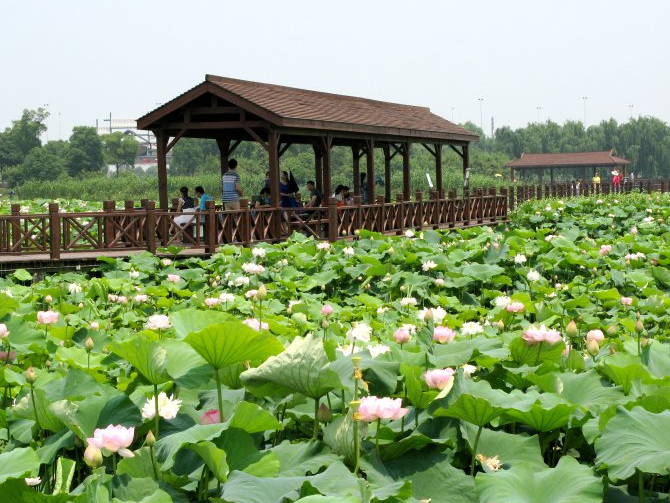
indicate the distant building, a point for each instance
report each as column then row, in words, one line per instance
column 148, row 152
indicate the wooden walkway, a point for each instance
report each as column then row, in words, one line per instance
column 26, row 240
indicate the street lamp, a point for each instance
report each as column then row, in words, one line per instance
column 46, row 120
column 584, row 98
column 539, row 110
column 630, row 107
column 481, row 115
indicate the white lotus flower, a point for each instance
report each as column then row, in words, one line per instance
column 167, row 407
column 360, row 332
column 258, row 252
column 471, row 328
column 520, row 258
column 533, row 275
column 428, row 265
column 74, row 288
column 348, row 251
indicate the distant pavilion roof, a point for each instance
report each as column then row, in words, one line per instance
column 568, row 160
column 293, row 108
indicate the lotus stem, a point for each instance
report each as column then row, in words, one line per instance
column 153, row 462
column 315, row 435
column 474, row 452
column 156, row 416
column 219, row 396
column 640, row 485
column 32, row 397
column 539, row 351
column 379, row 427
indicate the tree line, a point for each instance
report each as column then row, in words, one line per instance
column 24, row 160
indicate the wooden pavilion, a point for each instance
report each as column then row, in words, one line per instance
column 232, row 111
column 566, row 160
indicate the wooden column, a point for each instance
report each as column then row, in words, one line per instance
column 318, row 168
column 273, row 157
column 161, row 144
column 406, row 182
column 370, row 145
column 438, row 171
column 326, row 143
column 356, row 154
column 466, row 158
column 511, row 174
column 387, row 173
column 551, row 175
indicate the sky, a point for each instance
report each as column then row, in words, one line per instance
column 516, row 61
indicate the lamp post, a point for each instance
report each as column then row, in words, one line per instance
column 630, row 107
column 46, row 120
column 539, row 111
column 481, row 115
column 584, row 98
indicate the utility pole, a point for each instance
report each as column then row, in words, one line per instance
column 481, row 114
column 584, row 98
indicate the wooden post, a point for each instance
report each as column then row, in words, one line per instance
column 466, row 207
column 406, row 182
column 356, row 157
column 326, row 143
column 493, row 204
column 480, row 210
column 418, row 214
column 150, row 226
column 387, row 173
column 16, row 228
column 401, row 212
column 273, row 156
column 332, row 220
column 370, row 145
column 451, row 217
column 129, row 207
column 380, row 226
column 504, row 207
column 245, row 222
column 318, row 168
column 54, row 232
column 438, row 171
column 466, row 158
column 108, row 207
column 161, row 144
column 211, row 235
column 358, row 214
column 510, row 200
column 224, row 153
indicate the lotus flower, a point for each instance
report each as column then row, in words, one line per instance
column 210, row 417
column 168, row 407
column 114, row 439
column 443, row 334
column 401, row 335
column 373, row 408
column 47, row 317
column 158, row 322
column 439, row 378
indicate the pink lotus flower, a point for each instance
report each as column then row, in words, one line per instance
column 4, row 357
column 534, row 335
column 326, row 310
column 443, row 334
column 605, row 249
column 47, row 317
column 210, row 417
column 595, row 335
column 627, row 301
column 212, row 301
column 401, row 335
column 373, row 408
column 158, row 321
column 114, row 439
column 515, row 307
column 140, row 298
column 256, row 324
column 174, row 278
column 439, row 378
column 95, row 325
column 3, row 331
column 122, row 299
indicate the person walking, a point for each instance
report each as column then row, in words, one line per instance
column 231, row 190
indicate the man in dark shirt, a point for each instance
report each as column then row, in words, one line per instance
column 315, row 196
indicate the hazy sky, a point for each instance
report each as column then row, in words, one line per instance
column 87, row 58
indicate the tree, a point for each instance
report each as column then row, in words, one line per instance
column 188, row 154
column 22, row 137
column 39, row 165
column 119, row 148
column 85, row 153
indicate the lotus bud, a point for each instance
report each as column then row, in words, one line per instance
column 592, row 347
column 262, row 292
column 93, row 456
column 639, row 326
column 214, row 284
column 357, row 232
column 218, row 278
column 3, row 331
column 325, row 324
column 48, row 299
column 344, row 233
column 644, row 342
column 324, row 415
column 571, row 329
column 89, row 344
column 150, row 439
column 47, row 363
column 300, row 319
column 95, row 325
column 429, row 315
column 30, row 375
column 81, row 305
column 580, row 318
column 323, row 288
column 403, row 288
column 611, row 330
column 500, row 324
column 612, row 349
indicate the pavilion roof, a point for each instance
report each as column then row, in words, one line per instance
column 568, row 160
column 293, row 108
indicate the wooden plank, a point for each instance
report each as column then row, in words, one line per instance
column 216, row 125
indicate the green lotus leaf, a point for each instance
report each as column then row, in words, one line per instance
column 17, row 490
column 634, row 440
column 133, row 490
column 65, row 469
column 214, row 458
column 535, row 354
column 253, row 419
column 542, row 412
column 568, row 482
column 475, row 402
column 302, row 368
column 233, row 342
column 509, row 448
column 168, row 446
column 188, row 321
column 18, row 463
column 147, row 356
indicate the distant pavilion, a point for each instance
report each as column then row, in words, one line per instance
column 231, row 111
column 576, row 162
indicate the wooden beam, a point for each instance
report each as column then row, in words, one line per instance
column 213, row 125
column 224, row 152
column 284, row 148
column 215, row 110
column 273, row 163
column 457, row 151
column 397, row 149
column 326, row 144
column 427, row 147
column 234, row 145
column 253, row 134
column 356, row 154
column 466, row 158
column 387, row 173
column 174, row 140
column 318, row 167
column 438, row 170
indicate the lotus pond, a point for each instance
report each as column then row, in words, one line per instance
column 526, row 363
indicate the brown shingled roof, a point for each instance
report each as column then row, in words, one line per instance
column 289, row 107
column 567, row 159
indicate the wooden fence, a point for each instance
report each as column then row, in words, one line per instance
column 56, row 233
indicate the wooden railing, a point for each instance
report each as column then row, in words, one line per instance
column 59, row 233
